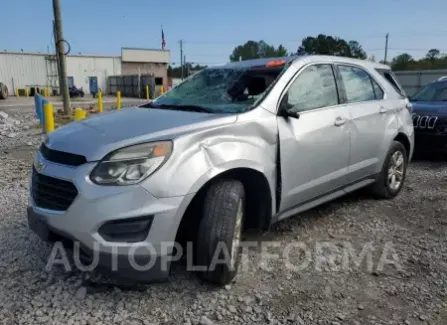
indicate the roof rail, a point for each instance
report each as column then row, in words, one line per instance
column 442, row 78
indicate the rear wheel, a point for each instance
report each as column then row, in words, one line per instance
column 220, row 231
column 391, row 179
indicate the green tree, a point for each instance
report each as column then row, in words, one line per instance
column 254, row 50
column 329, row 45
column 357, row 51
column 432, row 60
column 403, row 61
column 187, row 67
column 433, row 54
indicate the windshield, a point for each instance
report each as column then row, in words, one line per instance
column 220, row 90
column 433, row 92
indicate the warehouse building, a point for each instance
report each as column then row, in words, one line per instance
column 26, row 70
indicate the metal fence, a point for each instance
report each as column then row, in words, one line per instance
column 132, row 85
column 412, row 81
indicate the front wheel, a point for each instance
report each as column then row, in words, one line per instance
column 391, row 179
column 220, row 231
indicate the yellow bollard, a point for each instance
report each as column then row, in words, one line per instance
column 162, row 90
column 49, row 118
column 27, row 92
column 147, row 92
column 47, row 92
column 118, row 99
column 100, row 105
column 17, row 92
column 79, row 114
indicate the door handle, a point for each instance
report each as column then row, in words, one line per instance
column 383, row 110
column 339, row 121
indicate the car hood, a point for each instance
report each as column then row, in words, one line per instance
column 97, row 136
column 435, row 108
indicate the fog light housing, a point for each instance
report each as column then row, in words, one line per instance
column 131, row 230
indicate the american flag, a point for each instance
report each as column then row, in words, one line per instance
column 163, row 43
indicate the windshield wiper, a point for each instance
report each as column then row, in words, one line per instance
column 193, row 108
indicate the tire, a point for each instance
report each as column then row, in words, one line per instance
column 3, row 91
column 222, row 222
column 383, row 188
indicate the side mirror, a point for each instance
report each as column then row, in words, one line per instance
column 293, row 114
column 285, row 109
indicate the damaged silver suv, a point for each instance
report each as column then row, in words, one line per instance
column 234, row 147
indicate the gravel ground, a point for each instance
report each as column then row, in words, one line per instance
column 409, row 231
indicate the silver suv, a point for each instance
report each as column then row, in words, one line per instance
column 234, row 147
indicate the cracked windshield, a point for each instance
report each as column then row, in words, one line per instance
column 223, row 90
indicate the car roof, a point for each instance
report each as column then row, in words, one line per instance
column 247, row 64
column 438, row 82
column 442, row 81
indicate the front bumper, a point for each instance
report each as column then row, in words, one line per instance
column 430, row 142
column 97, row 205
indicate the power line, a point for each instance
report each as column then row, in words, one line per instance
column 404, row 49
column 359, row 38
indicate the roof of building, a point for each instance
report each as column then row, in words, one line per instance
column 4, row 51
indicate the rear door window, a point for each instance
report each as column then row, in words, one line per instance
column 358, row 85
column 378, row 92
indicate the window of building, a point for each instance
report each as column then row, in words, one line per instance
column 158, row 81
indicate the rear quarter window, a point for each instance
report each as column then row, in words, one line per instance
column 390, row 77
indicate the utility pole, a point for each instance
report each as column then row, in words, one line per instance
column 186, row 66
column 61, row 55
column 181, row 56
column 386, row 47
column 58, row 60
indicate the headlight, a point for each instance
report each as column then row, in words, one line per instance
column 131, row 165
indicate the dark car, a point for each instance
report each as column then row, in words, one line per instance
column 76, row 92
column 430, row 117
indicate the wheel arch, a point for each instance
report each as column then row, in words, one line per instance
column 258, row 195
column 403, row 138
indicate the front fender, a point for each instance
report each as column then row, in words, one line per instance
column 199, row 157
column 268, row 172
